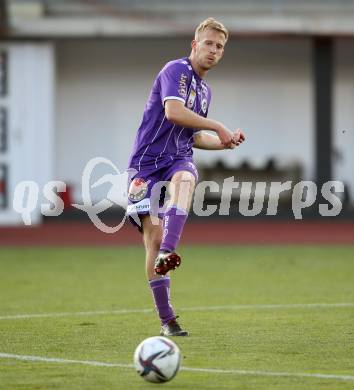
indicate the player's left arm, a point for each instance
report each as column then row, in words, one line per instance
column 207, row 141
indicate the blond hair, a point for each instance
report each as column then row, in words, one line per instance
column 212, row 24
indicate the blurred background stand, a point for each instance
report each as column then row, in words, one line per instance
column 75, row 76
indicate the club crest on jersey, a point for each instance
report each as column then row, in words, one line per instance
column 182, row 85
column 191, row 99
column 138, row 189
column 204, row 105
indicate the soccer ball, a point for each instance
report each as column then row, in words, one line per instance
column 157, row 359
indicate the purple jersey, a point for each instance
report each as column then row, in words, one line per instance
column 158, row 140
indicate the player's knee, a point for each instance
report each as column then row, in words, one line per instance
column 185, row 176
column 184, row 181
column 183, row 189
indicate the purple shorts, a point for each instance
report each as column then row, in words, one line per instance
column 147, row 189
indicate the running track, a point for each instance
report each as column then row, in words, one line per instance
column 195, row 232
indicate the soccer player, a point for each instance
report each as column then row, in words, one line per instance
column 174, row 121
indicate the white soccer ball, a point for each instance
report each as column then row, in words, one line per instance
column 157, row 359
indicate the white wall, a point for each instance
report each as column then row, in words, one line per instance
column 343, row 129
column 30, row 103
column 262, row 85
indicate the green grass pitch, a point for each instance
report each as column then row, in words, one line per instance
column 245, row 334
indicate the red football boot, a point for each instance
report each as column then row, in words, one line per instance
column 166, row 262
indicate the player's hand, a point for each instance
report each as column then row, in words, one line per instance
column 238, row 138
column 225, row 135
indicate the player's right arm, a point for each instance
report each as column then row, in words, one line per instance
column 177, row 113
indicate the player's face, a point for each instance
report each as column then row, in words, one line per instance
column 209, row 48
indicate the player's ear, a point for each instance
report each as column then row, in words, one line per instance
column 193, row 44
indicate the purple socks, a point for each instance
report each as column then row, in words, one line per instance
column 173, row 222
column 161, row 291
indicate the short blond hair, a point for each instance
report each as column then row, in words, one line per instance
column 212, row 24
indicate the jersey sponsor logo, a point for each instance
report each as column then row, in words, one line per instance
column 191, row 99
column 136, row 208
column 138, row 189
column 205, row 90
column 182, row 85
column 204, row 105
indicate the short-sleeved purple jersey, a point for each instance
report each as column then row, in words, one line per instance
column 158, row 140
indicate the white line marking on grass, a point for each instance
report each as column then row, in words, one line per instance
column 270, row 306
column 75, row 314
column 270, row 373
column 196, row 308
column 28, row 358
column 190, row 369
